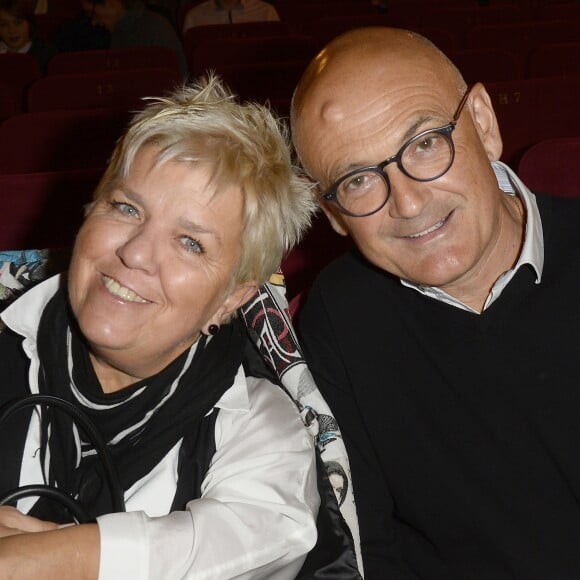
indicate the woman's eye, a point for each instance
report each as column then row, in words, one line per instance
column 125, row 208
column 192, row 245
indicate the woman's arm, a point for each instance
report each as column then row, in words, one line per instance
column 70, row 553
column 256, row 517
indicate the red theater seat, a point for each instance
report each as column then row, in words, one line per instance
column 17, row 73
column 113, row 59
column 198, row 34
column 212, row 54
column 486, row 64
column 57, row 140
column 522, row 37
column 122, row 89
column 555, row 59
column 531, row 110
column 553, row 166
column 41, row 210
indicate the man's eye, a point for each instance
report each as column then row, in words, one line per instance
column 125, row 208
column 360, row 182
column 192, row 245
column 431, row 142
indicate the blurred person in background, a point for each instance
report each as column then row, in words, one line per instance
column 132, row 24
column 229, row 12
column 17, row 32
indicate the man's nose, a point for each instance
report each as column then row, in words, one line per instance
column 408, row 197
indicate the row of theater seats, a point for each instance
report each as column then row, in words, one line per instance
column 74, row 118
column 257, row 67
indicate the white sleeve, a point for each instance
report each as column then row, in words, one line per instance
column 257, row 514
column 189, row 21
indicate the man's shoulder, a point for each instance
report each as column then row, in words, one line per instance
column 349, row 271
column 351, row 283
column 560, row 218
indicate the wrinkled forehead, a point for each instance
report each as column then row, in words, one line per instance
column 351, row 93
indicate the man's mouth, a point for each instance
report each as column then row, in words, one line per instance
column 122, row 292
column 430, row 230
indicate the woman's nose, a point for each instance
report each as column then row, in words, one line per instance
column 140, row 250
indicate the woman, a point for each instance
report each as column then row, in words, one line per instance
column 17, row 32
column 195, row 210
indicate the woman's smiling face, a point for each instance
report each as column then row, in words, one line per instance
column 153, row 265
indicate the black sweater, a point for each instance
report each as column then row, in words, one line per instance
column 463, row 430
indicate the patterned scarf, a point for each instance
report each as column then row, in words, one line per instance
column 140, row 424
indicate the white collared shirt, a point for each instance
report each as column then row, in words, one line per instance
column 532, row 250
column 256, row 517
column 247, row 11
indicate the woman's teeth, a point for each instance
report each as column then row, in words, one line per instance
column 125, row 293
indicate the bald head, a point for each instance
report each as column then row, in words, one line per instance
column 357, row 68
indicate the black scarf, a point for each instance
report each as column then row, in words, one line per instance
column 140, row 423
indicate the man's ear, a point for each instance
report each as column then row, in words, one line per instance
column 485, row 122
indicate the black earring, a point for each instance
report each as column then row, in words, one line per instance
column 213, row 329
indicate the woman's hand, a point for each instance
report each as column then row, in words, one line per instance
column 14, row 522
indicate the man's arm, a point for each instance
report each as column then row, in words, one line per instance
column 329, row 366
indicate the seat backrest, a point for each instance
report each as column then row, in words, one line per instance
column 271, row 81
column 320, row 246
column 198, row 34
column 554, row 59
column 443, row 38
column 17, row 72
column 111, row 59
column 551, row 10
column 460, row 19
column 18, row 69
column 40, row 210
column 106, row 89
column 552, row 166
column 324, row 29
column 58, row 140
column 486, row 64
column 521, row 37
column 212, row 54
column 12, row 101
column 531, row 110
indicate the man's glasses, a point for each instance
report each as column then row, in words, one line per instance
column 424, row 157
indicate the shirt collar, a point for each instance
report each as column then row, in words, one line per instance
column 236, row 397
column 532, row 250
column 23, row 315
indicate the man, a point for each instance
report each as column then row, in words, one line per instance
column 229, row 12
column 132, row 24
column 447, row 345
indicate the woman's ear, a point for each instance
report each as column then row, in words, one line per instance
column 485, row 122
column 236, row 298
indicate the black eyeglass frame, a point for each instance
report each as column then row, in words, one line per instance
column 445, row 130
